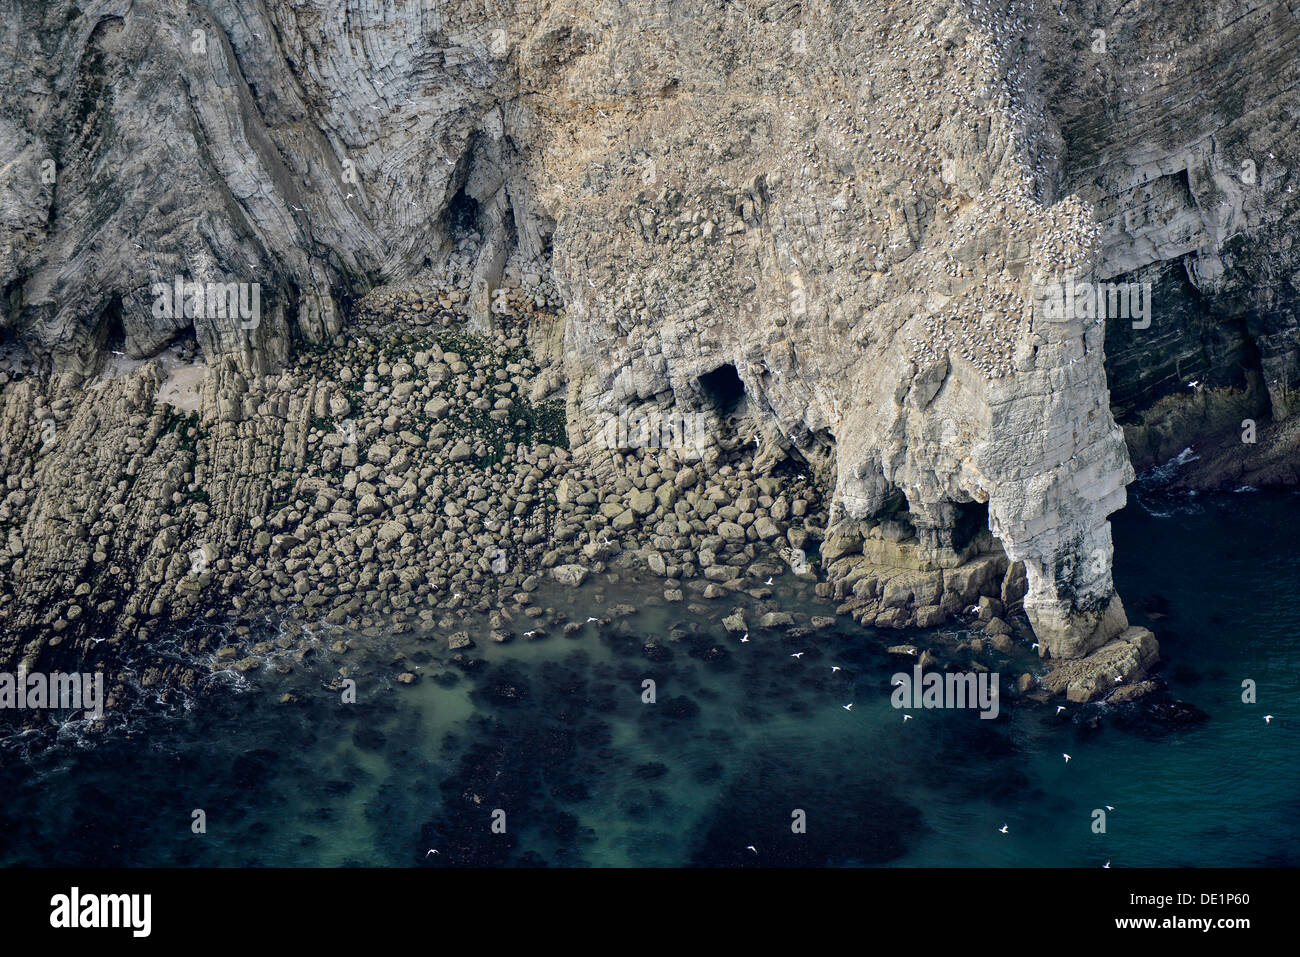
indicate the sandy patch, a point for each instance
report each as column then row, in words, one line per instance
column 183, row 386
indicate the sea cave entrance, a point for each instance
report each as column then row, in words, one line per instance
column 723, row 389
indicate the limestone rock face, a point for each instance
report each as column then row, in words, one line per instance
column 831, row 232
column 1125, row 660
column 221, row 143
column 873, row 286
column 1176, row 131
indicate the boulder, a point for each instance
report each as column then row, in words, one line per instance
column 571, row 575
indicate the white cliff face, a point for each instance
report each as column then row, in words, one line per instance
column 1040, row 448
column 856, row 208
column 875, row 293
column 1059, row 466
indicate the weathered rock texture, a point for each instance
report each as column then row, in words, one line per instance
column 834, row 222
column 1181, row 135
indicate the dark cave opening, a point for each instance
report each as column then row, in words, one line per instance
column 972, row 519
column 894, row 506
column 462, row 213
column 723, row 388
column 112, row 331
column 791, row 465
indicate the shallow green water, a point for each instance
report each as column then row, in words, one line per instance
column 555, row 734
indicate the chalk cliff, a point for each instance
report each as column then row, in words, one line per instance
column 833, row 223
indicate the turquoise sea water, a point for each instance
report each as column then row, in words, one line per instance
column 555, row 734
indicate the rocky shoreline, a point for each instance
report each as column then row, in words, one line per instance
column 413, row 475
column 841, row 248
